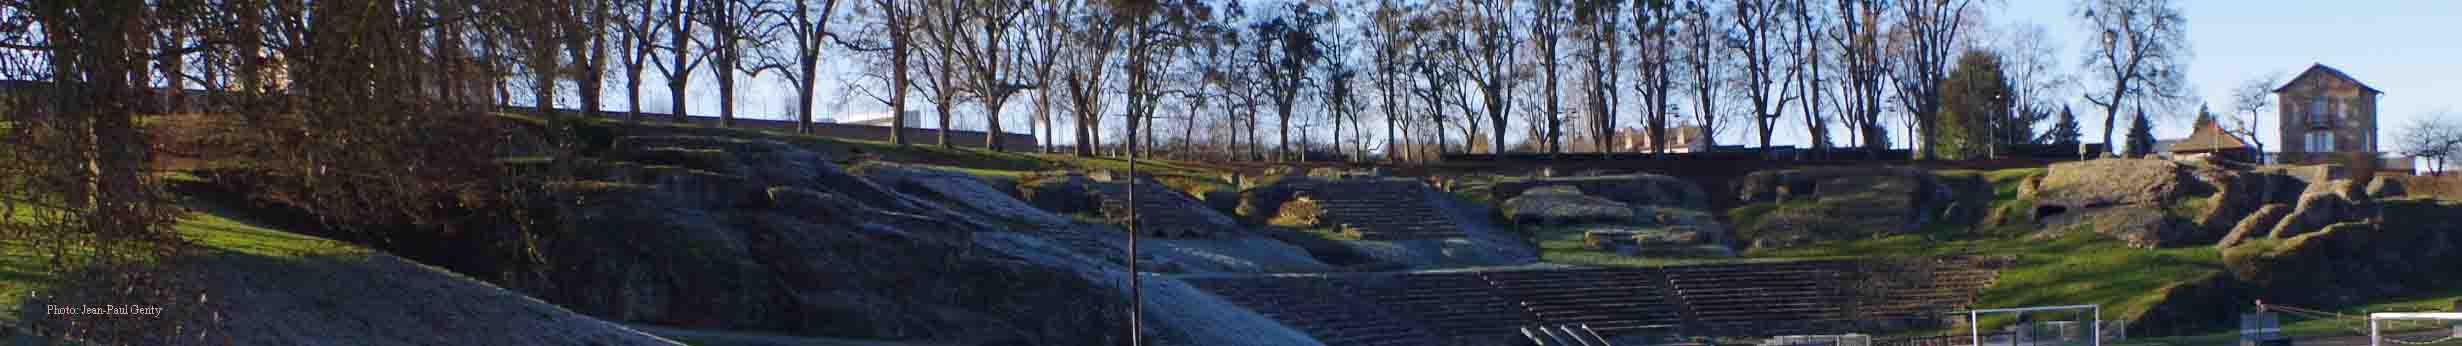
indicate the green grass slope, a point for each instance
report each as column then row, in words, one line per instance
column 279, row 287
column 2079, row 267
column 24, row 268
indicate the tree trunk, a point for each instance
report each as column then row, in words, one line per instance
column 899, row 50
column 1495, row 118
column 803, row 92
column 1282, row 109
column 991, row 119
column 1042, row 110
column 632, row 92
column 941, row 86
column 1555, row 115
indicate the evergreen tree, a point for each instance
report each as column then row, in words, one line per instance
column 1975, row 104
column 2141, row 136
column 2205, row 116
column 2064, row 130
column 2019, row 126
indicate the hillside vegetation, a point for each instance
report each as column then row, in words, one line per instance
column 2068, row 261
column 273, row 286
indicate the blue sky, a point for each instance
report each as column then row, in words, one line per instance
column 2408, row 48
column 2405, row 47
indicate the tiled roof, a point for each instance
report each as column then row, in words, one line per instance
column 2321, row 69
column 2208, row 137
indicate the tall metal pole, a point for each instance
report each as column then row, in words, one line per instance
column 1974, row 325
column 2372, row 331
column 2097, row 328
column 1136, row 303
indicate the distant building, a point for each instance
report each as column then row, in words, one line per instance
column 2324, row 112
column 913, row 118
column 1680, row 139
column 2209, row 138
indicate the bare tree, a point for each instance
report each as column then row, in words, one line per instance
column 637, row 40
column 1289, row 45
column 1931, row 33
column 807, row 28
column 941, row 22
column 991, row 51
column 682, row 58
column 1215, row 45
column 1654, row 33
column 585, row 44
column 1236, row 75
column 1049, row 38
column 1809, row 58
column 2140, row 49
column 1093, row 41
column 1701, row 40
column 1485, row 39
column 734, row 28
column 2037, row 84
column 1757, row 42
column 1599, row 20
column 1387, row 39
column 2252, row 99
column 1339, row 93
column 1859, row 41
column 1151, row 29
column 892, row 21
column 1545, row 34
column 2434, row 137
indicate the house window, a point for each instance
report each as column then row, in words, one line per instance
column 2341, row 111
column 2316, row 110
column 2320, row 142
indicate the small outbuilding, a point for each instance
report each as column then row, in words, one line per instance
column 2210, row 138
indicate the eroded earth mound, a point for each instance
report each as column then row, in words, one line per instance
column 1838, row 203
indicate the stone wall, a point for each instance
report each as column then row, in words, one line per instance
column 2445, row 187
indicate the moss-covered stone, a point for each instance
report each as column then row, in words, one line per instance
column 1630, row 189
column 1564, row 205
column 1824, row 204
column 2412, row 251
column 2257, row 225
column 2140, row 226
column 2383, row 188
column 2098, row 183
column 2316, row 210
column 1301, row 212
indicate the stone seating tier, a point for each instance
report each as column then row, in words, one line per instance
column 1480, row 308
column 1383, row 210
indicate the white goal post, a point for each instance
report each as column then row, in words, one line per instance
column 2094, row 328
column 2375, row 336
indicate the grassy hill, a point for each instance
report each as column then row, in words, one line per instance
column 24, row 269
column 272, row 286
column 2078, row 267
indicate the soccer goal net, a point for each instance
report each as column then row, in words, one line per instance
column 2379, row 322
column 2080, row 325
